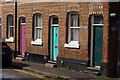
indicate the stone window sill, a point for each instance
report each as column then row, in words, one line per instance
column 11, row 39
column 72, row 44
column 37, row 42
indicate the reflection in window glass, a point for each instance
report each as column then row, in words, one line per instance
column 38, row 26
column 73, row 27
column 98, row 20
column 55, row 20
column 10, row 26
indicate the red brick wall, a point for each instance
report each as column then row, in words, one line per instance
column 60, row 9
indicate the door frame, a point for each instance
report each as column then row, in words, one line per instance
column 92, row 40
column 51, row 35
column 20, row 36
column 0, row 31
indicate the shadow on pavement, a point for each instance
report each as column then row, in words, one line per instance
column 13, row 65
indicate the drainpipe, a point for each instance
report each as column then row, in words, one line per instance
column 91, row 51
column 15, row 29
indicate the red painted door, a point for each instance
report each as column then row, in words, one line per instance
column 23, row 38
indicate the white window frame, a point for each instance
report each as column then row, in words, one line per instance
column 72, row 44
column 37, row 41
column 10, row 25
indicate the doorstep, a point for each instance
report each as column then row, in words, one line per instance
column 94, row 68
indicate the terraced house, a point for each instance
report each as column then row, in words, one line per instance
column 77, row 35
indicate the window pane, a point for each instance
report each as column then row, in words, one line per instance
column 36, row 20
column 0, row 20
column 74, row 20
column 38, row 33
column 71, row 20
column 55, row 20
column 74, row 34
column 23, row 20
column 11, row 31
column 39, row 19
column 98, row 20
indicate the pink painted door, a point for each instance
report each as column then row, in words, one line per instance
column 23, row 38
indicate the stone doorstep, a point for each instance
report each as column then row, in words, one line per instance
column 50, row 63
column 94, row 68
column 22, row 56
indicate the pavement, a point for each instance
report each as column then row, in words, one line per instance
column 55, row 72
column 10, row 73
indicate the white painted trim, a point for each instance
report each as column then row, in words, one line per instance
column 11, row 39
column 11, row 26
column 55, row 25
column 37, row 42
column 51, row 38
column 23, row 23
column 97, row 24
column 75, row 27
column 9, row 0
column 52, row 25
column 92, row 36
column 72, row 44
column 91, row 51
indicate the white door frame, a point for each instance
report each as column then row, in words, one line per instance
column 51, row 25
column 92, row 38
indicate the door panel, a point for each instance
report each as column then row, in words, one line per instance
column 98, row 45
column 23, row 39
column 54, row 43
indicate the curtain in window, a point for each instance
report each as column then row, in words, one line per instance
column 74, row 27
column 10, row 26
column 38, row 26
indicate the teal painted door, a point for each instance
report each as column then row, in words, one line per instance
column 98, row 45
column 54, row 43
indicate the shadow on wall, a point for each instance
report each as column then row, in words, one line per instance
column 113, row 41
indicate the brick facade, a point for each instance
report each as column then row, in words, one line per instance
column 61, row 10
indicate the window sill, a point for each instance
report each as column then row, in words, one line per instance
column 72, row 44
column 37, row 42
column 8, row 0
column 10, row 39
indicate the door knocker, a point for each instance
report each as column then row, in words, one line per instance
column 99, row 36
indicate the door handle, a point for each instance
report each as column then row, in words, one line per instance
column 55, row 46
